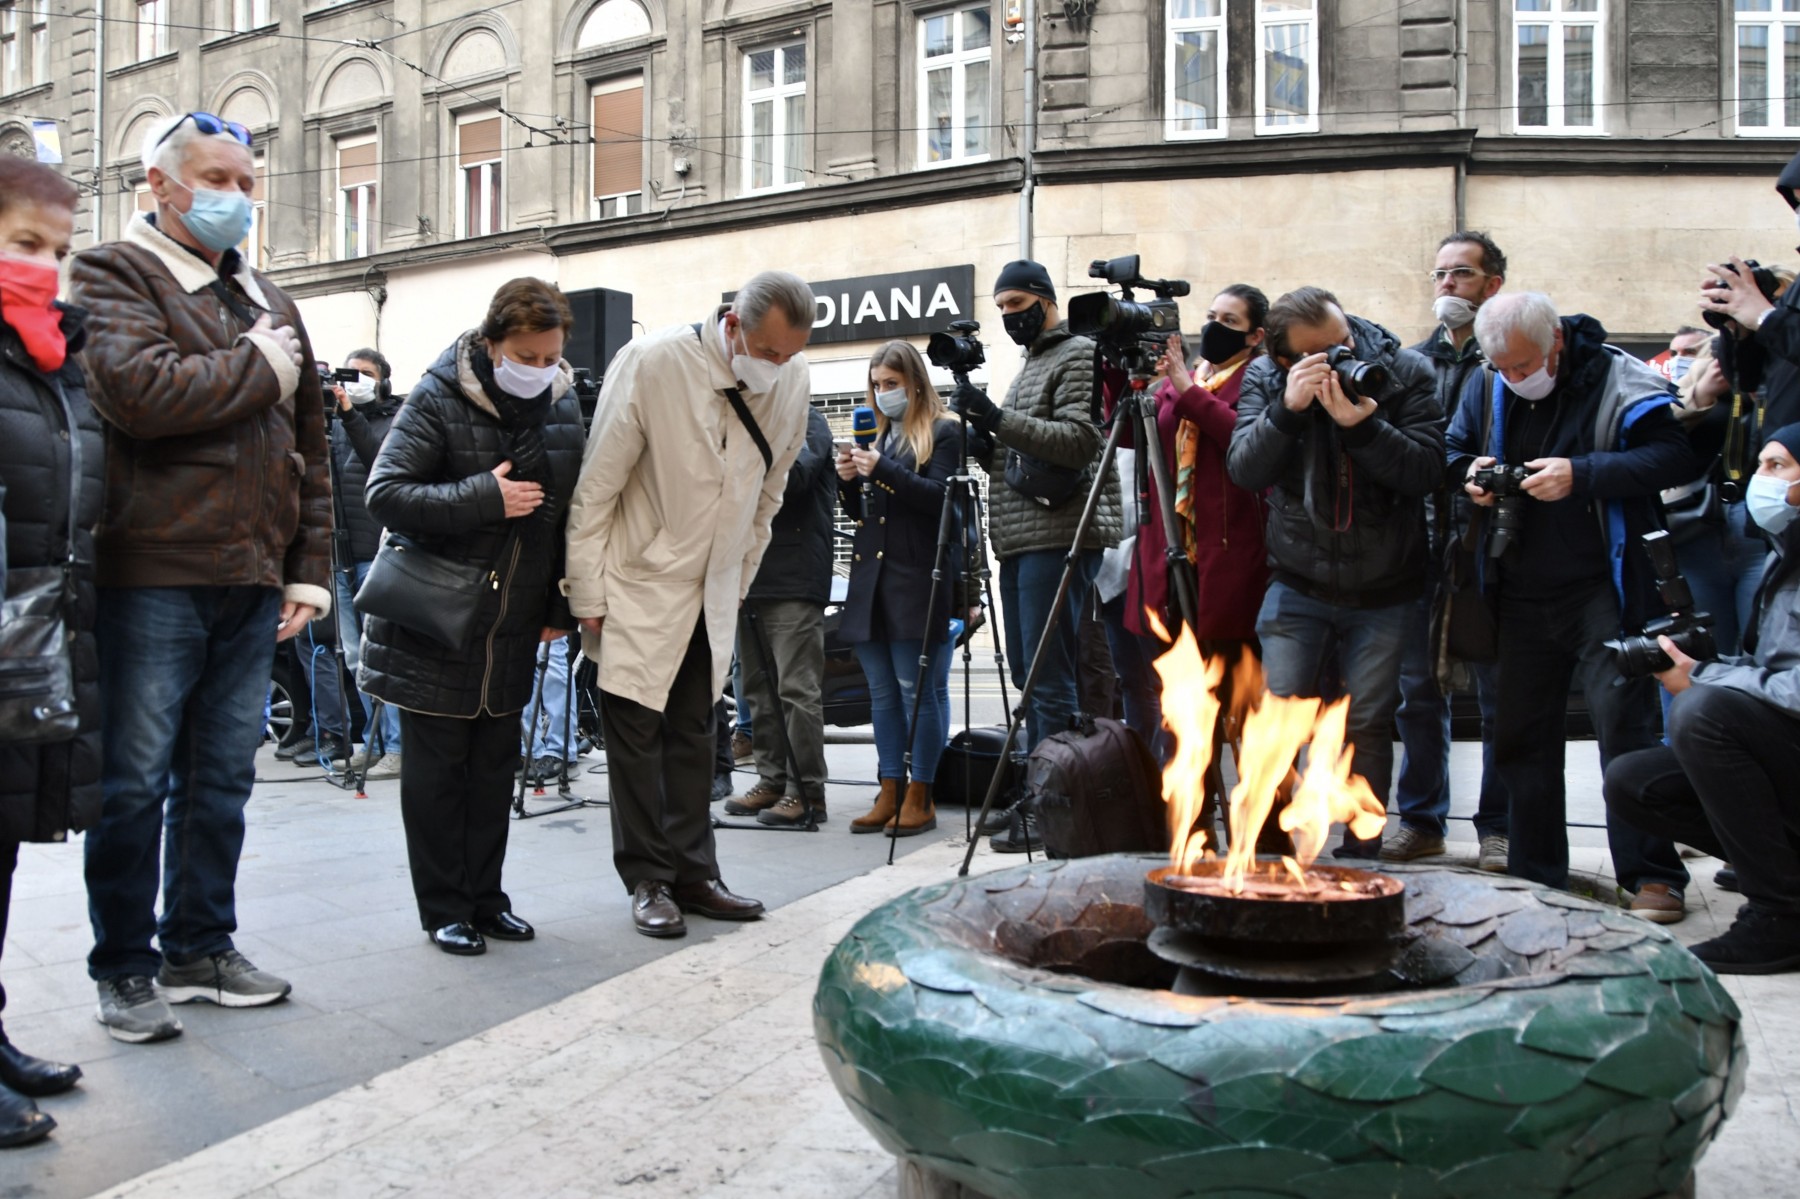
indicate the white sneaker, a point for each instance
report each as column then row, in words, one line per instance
column 1493, row 854
column 388, row 767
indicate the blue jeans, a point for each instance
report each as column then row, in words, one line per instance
column 555, row 723
column 1422, row 790
column 1028, row 585
column 349, row 624
column 183, row 673
column 1724, row 566
column 741, row 719
column 892, row 667
column 1300, row 635
column 1139, row 685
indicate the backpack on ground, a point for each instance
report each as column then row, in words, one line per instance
column 1096, row 789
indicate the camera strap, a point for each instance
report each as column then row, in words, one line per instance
column 749, row 421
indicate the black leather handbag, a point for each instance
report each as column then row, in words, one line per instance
column 427, row 593
column 37, row 677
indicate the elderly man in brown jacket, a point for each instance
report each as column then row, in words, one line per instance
column 213, row 545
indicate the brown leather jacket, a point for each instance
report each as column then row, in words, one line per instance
column 216, row 463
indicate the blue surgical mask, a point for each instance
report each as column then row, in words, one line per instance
column 219, row 220
column 892, row 403
column 1766, row 497
column 1679, row 368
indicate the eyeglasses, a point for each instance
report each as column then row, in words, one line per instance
column 1458, row 273
column 211, row 126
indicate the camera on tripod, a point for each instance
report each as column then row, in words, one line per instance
column 1132, row 335
column 1507, row 485
column 1359, row 379
column 958, row 351
column 1691, row 631
column 330, row 379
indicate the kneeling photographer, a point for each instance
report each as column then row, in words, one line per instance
column 1040, row 449
column 1591, row 429
column 1725, row 782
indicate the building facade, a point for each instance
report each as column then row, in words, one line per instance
column 415, row 153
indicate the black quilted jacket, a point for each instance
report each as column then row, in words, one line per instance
column 47, row 791
column 433, row 481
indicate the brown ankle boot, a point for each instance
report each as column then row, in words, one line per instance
column 883, row 812
column 918, row 813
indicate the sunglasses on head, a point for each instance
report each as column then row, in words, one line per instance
column 211, row 126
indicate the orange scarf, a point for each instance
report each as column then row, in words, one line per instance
column 1187, row 454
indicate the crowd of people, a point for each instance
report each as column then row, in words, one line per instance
column 169, row 460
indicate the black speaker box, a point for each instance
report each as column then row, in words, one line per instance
column 602, row 327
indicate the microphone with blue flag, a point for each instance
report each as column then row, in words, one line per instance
column 862, row 428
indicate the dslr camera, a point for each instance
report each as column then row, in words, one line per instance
column 958, row 351
column 1360, row 380
column 1762, row 276
column 1132, row 335
column 1507, row 485
column 1691, row 631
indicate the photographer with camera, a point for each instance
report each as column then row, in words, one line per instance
column 1045, row 430
column 1576, row 438
column 1339, row 425
column 1725, row 782
column 1739, row 299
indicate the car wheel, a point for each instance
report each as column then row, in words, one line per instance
column 284, row 697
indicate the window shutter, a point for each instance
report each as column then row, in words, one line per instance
column 478, row 141
column 619, row 142
column 356, row 164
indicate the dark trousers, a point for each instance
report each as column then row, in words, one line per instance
column 659, row 770
column 9, row 861
column 795, row 633
column 184, row 672
column 456, row 781
column 1422, row 787
column 1725, row 784
column 1544, row 646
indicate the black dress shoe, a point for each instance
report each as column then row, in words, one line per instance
column 20, row 1120
column 711, row 899
column 654, row 911
column 459, row 938
column 1726, row 879
column 33, row 1076
column 504, row 927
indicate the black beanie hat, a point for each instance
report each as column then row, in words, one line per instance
column 1025, row 275
column 1789, row 437
column 1788, row 182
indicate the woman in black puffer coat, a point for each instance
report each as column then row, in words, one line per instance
column 478, row 467
column 51, row 455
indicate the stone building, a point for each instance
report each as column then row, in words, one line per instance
column 415, row 153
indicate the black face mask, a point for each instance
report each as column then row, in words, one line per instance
column 1221, row 343
column 1024, row 325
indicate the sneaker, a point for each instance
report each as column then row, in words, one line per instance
column 1021, row 836
column 227, row 979
column 1758, row 942
column 1493, row 854
column 753, row 801
column 301, row 748
column 999, row 819
column 1658, row 903
column 547, row 770
column 790, row 812
column 386, row 767
column 132, row 1010
column 741, row 750
column 1726, row 879
column 721, row 787
column 1410, row 843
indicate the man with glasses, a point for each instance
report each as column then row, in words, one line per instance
column 214, row 544
column 1470, row 270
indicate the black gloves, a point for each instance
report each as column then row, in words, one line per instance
column 975, row 407
column 981, row 445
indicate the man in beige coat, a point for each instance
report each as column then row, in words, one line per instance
column 686, row 463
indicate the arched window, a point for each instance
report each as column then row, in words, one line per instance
column 613, row 21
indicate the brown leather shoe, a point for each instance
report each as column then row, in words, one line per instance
column 791, row 813
column 712, row 900
column 763, row 795
column 918, row 813
column 886, row 804
column 1658, row 903
column 654, row 910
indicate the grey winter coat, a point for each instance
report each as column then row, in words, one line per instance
column 1770, row 670
column 1049, row 415
column 1346, row 505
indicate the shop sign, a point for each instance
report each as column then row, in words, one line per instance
column 879, row 307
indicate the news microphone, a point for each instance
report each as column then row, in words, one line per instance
column 862, row 428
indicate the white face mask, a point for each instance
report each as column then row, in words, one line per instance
column 1453, row 312
column 892, row 403
column 1766, row 498
column 524, row 382
column 1536, row 385
column 756, row 374
column 1679, row 368
column 362, row 391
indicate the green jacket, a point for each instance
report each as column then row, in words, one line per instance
column 1048, row 415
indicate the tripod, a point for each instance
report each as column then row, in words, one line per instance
column 1135, row 409
column 961, row 495
column 343, row 565
column 809, row 823
column 567, row 800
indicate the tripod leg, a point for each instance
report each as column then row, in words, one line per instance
column 537, row 708
column 946, row 517
column 1181, row 575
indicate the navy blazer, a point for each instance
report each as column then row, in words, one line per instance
column 896, row 543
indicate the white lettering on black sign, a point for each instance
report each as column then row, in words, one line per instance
column 878, row 307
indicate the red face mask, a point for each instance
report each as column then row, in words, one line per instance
column 27, row 296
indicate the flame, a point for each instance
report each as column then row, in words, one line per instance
column 1267, row 732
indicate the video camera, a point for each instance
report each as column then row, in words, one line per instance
column 1762, row 276
column 958, row 351
column 331, row 378
column 1132, row 335
column 1507, row 485
column 1691, row 631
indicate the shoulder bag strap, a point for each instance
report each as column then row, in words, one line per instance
column 68, row 409
column 749, row 421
